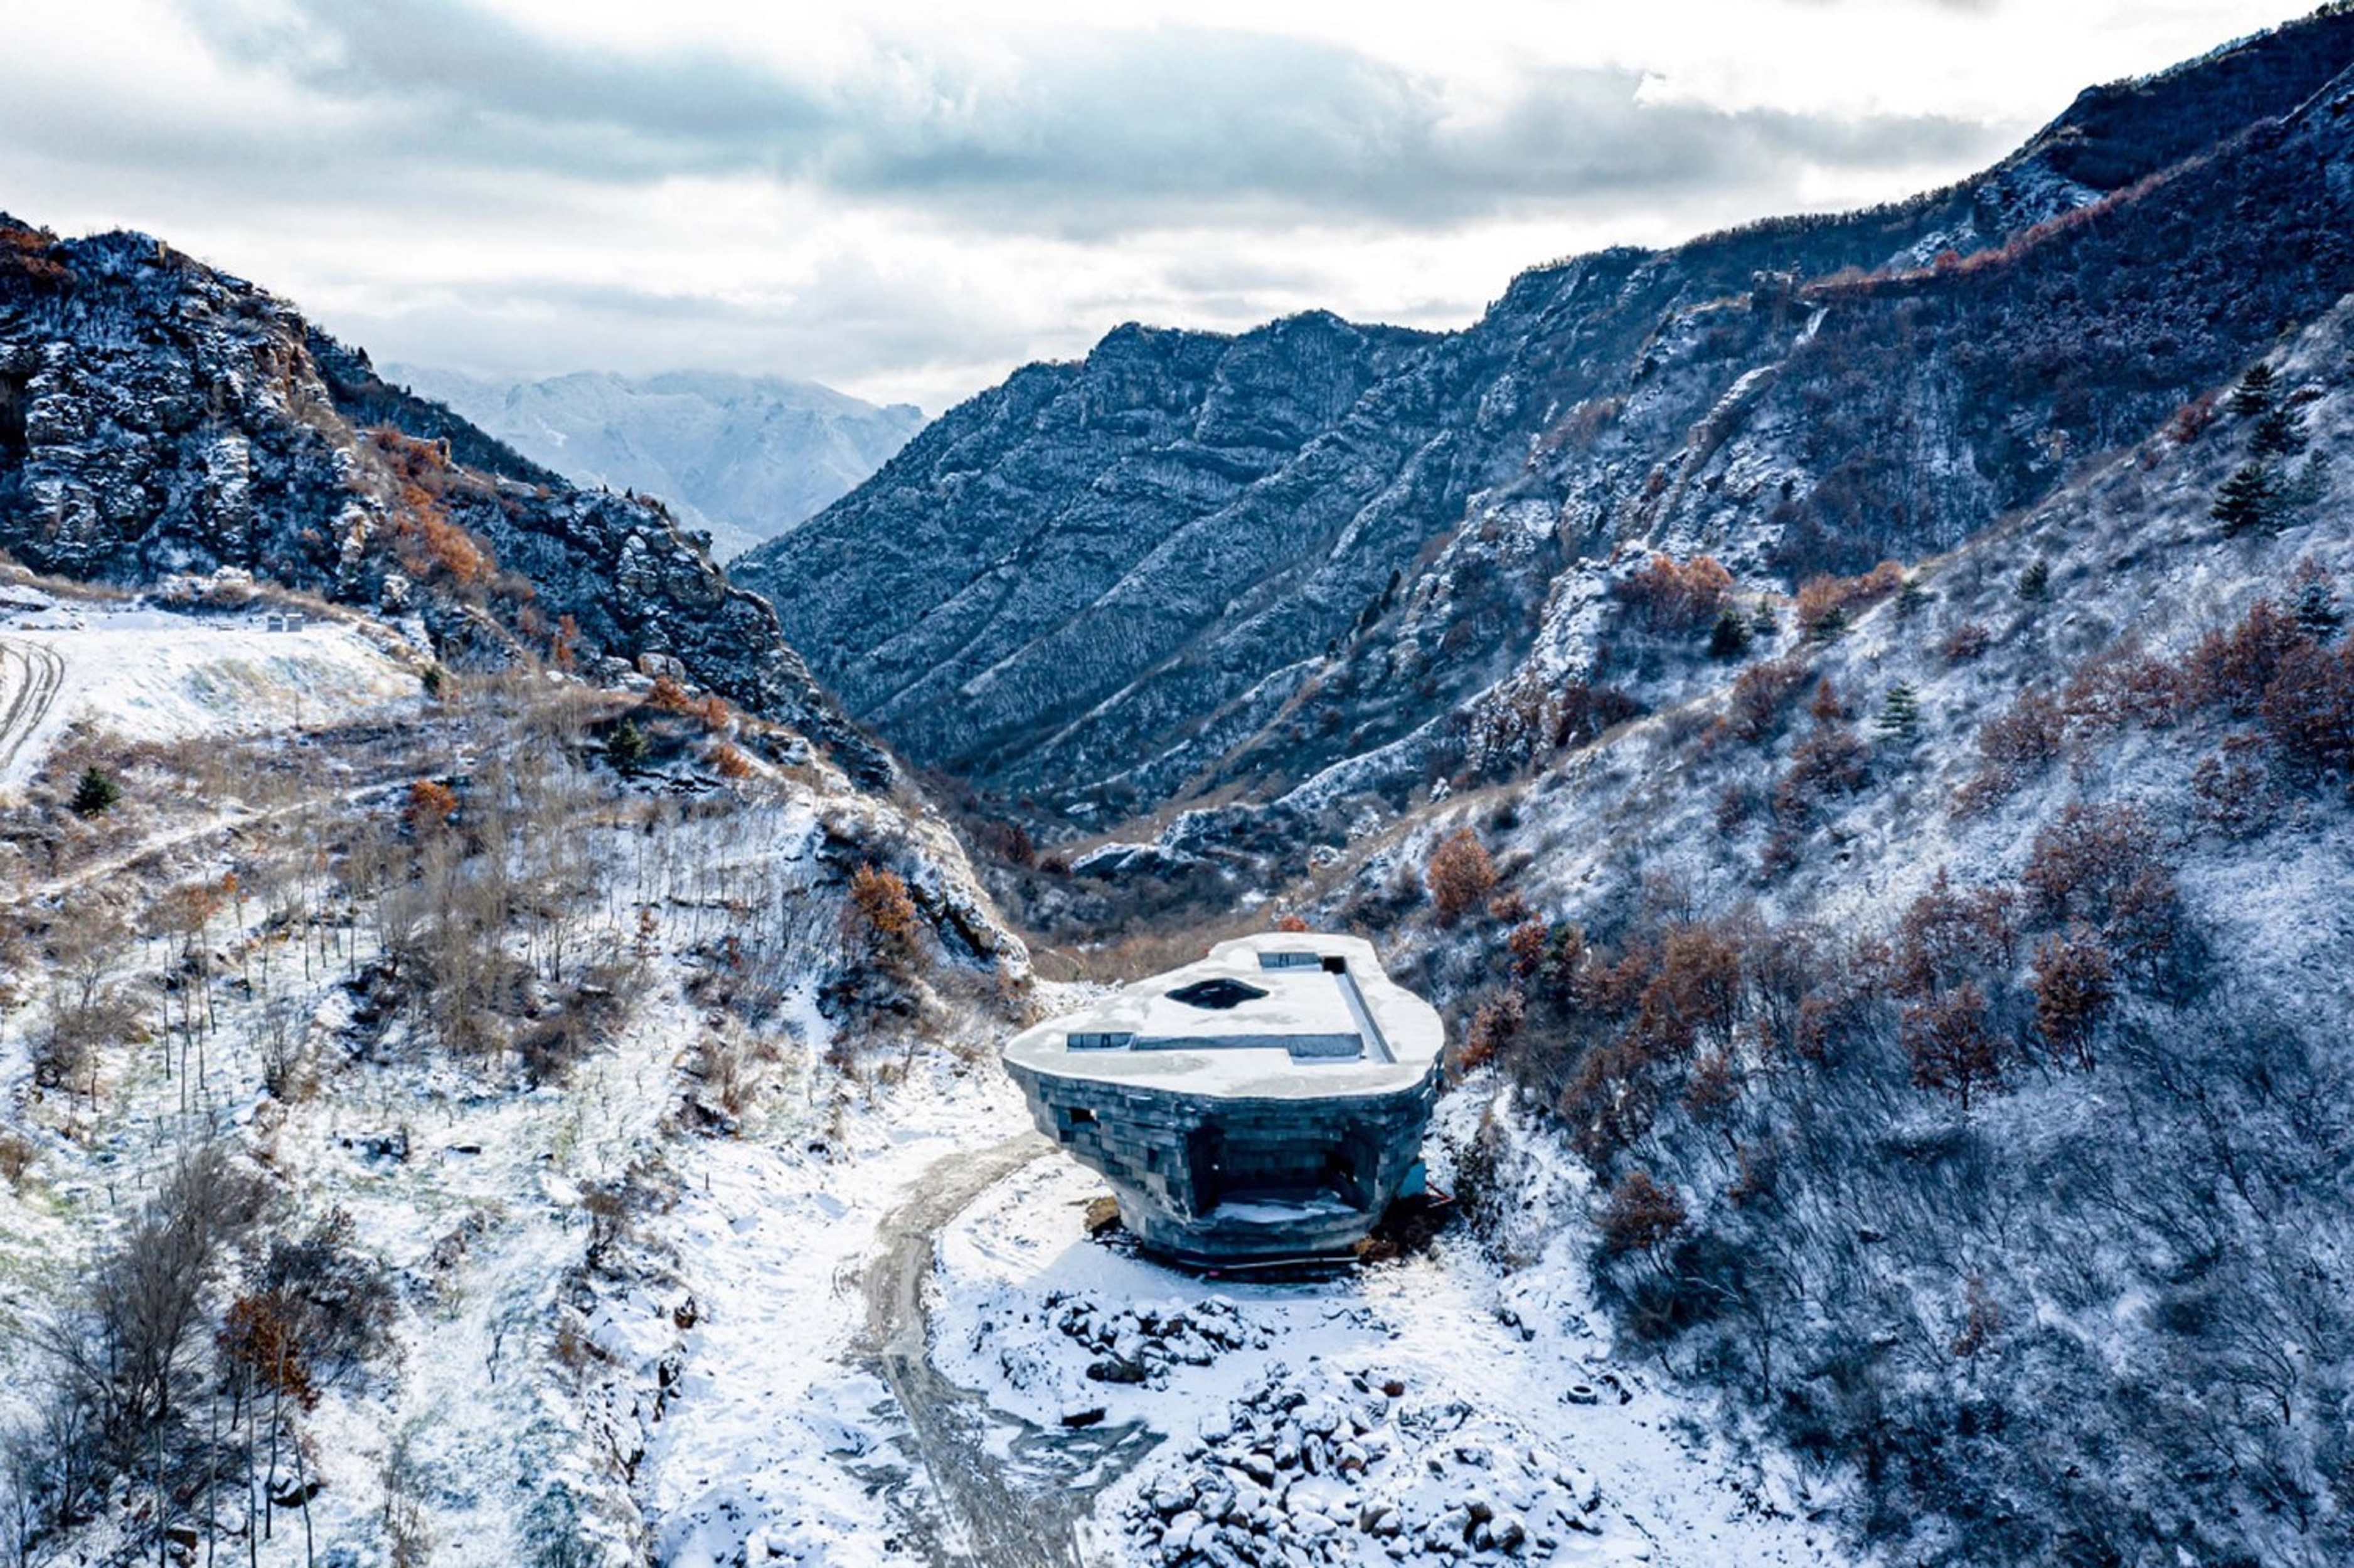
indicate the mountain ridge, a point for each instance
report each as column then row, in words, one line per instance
column 157, row 415
column 1626, row 390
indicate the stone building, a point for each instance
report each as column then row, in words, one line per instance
column 1265, row 1103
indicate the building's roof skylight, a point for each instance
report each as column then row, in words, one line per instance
column 1220, row 993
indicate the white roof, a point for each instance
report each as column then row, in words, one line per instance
column 1285, row 1016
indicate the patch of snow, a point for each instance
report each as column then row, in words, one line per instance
column 152, row 675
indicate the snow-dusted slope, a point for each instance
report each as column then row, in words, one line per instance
column 1421, row 1410
column 744, row 458
column 480, row 1033
column 1952, row 1004
column 152, row 675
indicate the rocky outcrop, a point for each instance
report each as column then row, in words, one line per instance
column 1196, row 563
column 157, row 415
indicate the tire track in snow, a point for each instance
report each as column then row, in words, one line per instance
column 37, row 673
column 1024, row 1510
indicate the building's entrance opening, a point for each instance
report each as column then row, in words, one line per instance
column 1228, row 1171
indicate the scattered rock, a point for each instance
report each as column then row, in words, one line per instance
column 1115, row 1369
column 1316, row 1468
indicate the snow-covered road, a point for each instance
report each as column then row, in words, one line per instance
column 1020, row 1492
column 142, row 674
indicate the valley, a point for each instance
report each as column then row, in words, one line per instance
column 1848, row 720
column 705, row 1291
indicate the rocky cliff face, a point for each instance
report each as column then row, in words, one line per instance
column 743, row 458
column 1190, row 563
column 1063, row 536
column 157, row 415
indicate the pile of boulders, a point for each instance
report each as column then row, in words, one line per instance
column 1337, row 1467
column 1138, row 1343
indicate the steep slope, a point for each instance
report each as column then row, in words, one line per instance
column 157, row 415
column 401, row 1028
column 1052, row 540
column 744, row 458
column 1949, row 1006
column 1189, row 562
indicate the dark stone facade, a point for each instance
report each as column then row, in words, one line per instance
column 1212, row 1180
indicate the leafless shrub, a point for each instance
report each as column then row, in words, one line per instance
column 17, row 1157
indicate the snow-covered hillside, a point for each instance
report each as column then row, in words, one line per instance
column 120, row 663
column 398, row 1012
column 579, row 1165
column 1941, row 973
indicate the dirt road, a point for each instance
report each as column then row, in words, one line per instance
column 1019, row 1492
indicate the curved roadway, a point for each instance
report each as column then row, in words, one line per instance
column 1019, row 1492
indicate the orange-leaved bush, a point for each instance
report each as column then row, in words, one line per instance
column 1461, row 875
column 1641, row 1214
column 1672, row 596
column 881, row 904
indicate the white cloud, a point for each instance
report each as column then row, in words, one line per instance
column 896, row 198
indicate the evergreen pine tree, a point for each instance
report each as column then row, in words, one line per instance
column 2035, row 582
column 2280, row 432
column 2248, row 499
column 1765, row 622
column 1911, row 598
column 2317, row 608
column 1900, row 714
column 2256, row 392
column 626, row 748
column 96, row 794
column 2308, row 485
column 1730, row 637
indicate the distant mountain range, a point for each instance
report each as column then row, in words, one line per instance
column 744, row 458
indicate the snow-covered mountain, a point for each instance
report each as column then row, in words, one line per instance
column 744, row 458
column 158, row 416
column 1852, row 721
column 1193, row 564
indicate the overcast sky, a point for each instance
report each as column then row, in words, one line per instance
column 907, row 200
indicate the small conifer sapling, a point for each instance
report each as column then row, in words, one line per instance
column 2318, row 614
column 1900, row 714
column 2256, row 393
column 1730, row 637
column 626, row 750
column 95, row 793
